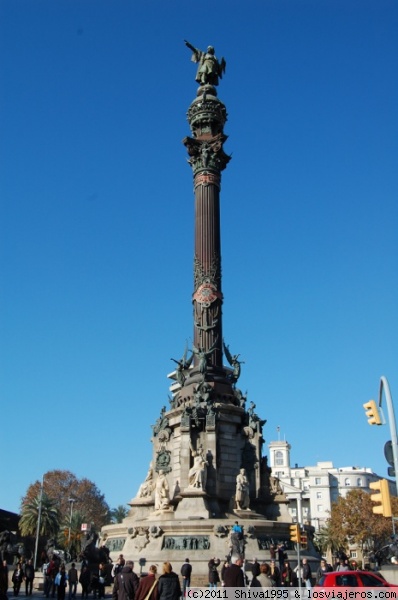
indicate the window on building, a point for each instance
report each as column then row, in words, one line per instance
column 319, row 507
column 279, row 474
column 297, row 474
column 319, row 495
column 359, row 482
column 347, row 481
column 317, row 481
column 278, row 458
column 306, row 486
column 353, row 554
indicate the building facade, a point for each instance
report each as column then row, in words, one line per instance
column 312, row 490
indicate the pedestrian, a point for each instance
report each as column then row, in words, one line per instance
column 126, row 583
column 274, row 572
column 186, row 571
column 84, row 580
column 281, row 556
column 118, row 566
column 306, row 573
column 272, row 552
column 72, row 579
column 17, row 578
column 169, row 584
column 263, row 579
column 233, row 576
column 101, row 580
column 29, row 577
column 287, row 576
column 148, row 586
column 255, row 568
column 3, row 580
column 223, row 569
column 214, row 577
column 322, row 570
column 342, row 566
column 61, row 581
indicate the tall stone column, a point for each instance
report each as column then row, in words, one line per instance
column 206, row 117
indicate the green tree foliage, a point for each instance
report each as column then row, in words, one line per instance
column 323, row 540
column 118, row 513
column 60, row 486
column 352, row 521
column 49, row 517
column 70, row 533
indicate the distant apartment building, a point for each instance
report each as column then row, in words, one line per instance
column 312, row 490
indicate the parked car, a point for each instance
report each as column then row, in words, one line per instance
column 353, row 579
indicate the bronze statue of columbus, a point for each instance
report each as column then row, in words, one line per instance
column 210, row 70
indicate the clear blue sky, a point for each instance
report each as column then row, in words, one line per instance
column 97, row 225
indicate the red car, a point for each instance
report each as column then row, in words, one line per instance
column 353, row 579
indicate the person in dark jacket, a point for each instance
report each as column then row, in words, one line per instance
column 148, row 586
column 126, row 583
column 186, row 571
column 3, row 580
column 29, row 577
column 214, row 577
column 288, row 578
column 17, row 578
column 169, row 584
column 233, row 576
column 84, row 580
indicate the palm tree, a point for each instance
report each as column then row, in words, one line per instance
column 118, row 514
column 324, row 541
column 70, row 533
column 49, row 517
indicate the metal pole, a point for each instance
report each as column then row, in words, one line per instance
column 391, row 420
column 298, row 562
column 71, row 501
column 38, row 523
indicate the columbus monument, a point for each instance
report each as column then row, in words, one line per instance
column 208, row 469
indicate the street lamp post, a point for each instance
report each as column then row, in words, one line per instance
column 38, row 523
column 71, row 502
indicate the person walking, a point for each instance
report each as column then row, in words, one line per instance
column 3, row 580
column 233, row 576
column 61, row 581
column 186, row 571
column 274, row 572
column 287, row 576
column 255, row 569
column 29, row 577
column 169, row 584
column 17, row 578
column 72, row 579
column 148, row 586
column 263, row 579
column 84, row 580
column 126, row 583
column 322, row 569
column 223, row 569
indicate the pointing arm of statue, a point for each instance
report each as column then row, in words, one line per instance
column 190, row 46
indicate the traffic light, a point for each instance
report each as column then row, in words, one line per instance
column 372, row 412
column 295, row 533
column 304, row 541
column 383, row 498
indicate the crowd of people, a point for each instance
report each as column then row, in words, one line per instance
column 60, row 581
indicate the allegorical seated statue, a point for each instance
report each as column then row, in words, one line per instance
column 242, row 494
column 162, row 494
column 209, row 69
column 197, row 475
column 146, row 488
